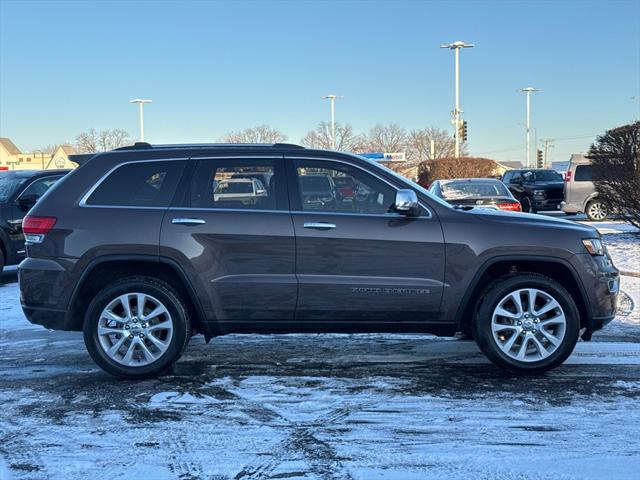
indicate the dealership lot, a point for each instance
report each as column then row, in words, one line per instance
column 323, row 406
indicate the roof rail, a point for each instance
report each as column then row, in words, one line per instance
column 146, row 146
column 136, row 146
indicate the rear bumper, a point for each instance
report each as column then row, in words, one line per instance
column 570, row 207
column 47, row 317
column 44, row 292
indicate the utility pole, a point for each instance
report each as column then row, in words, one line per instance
column 332, row 101
column 528, row 91
column 547, row 143
column 141, row 103
column 457, row 112
column 433, row 149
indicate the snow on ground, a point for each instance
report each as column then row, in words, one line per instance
column 321, row 406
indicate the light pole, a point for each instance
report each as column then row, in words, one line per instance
column 332, row 100
column 141, row 103
column 456, row 46
column 528, row 91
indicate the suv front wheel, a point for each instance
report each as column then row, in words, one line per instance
column 527, row 323
column 136, row 327
column 596, row 211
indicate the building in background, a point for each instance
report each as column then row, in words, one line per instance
column 11, row 158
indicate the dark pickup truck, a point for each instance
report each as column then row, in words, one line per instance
column 536, row 189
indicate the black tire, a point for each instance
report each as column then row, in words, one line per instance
column 594, row 209
column 495, row 293
column 527, row 205
column 160, row 291
column 1, row 261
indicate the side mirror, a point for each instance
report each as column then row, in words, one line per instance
column 407, row 203
column 26, row 202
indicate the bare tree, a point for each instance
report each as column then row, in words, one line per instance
column 387, row 138
column 259, row 134
column 419, row 145
column 49, row 149
column 615, row 157
column 101, row 141
column 346, row 139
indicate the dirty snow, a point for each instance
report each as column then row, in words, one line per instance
column 321, row 406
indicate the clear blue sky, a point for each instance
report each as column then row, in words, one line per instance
column 211, row 67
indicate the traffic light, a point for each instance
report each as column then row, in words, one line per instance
column 463, row 131
column 540, row 159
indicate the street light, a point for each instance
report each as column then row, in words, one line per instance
column 332, row 100
column 141, row 103
column 529, row 91
column 456, row 46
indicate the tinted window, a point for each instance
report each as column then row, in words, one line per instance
column 40, row 187
column 584, row 173
column 542, row 176
column 144, row 184
column 333, row 187
column 225, row 183
column 459, row 190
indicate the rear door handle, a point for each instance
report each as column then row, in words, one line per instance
column 188, row 221
column 320, row 225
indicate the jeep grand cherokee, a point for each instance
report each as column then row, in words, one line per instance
column 137, row 250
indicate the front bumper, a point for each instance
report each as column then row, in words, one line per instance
column 601, row 283
column 547, row 204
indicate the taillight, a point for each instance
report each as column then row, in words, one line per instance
column 511, row 207
column 35, row 228
column 567, row 176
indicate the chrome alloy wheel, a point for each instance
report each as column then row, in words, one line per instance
column 528, row 325
column 135, row 329
column 597, row 211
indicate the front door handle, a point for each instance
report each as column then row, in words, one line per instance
column 188, row 221
column 320, row 225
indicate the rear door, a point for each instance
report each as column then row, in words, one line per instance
column 235, row 242
column 582, row 185
column 355, row 260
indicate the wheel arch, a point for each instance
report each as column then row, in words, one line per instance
column 103, row 270
column 556, row 268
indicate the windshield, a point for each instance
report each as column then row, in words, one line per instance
column 9, row 184
column 235, row 187
column 458, row 190
column 315, row 184
column 412, row 184
column 542, row 176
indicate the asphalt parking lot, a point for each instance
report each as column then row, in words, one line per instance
column 320, row 406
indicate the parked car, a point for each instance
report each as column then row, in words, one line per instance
column 580, row 193
column 133, row 250
column 265, row 178
column 240, row 190
column 346, row 188
column 318, row 191
column 19, row 191
column 476, row 193
column 536, row 189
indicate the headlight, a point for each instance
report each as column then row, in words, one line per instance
column 594, row 246
column 539, row 193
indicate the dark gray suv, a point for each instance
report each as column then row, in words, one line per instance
column 139, row 249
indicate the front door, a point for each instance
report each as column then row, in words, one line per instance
column 355, row 260
column 233, row 236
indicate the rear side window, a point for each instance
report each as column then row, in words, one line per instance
column 244, row 184
column 584, row 173
column 143, row 184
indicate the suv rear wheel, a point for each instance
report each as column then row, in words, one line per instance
column 596, row 211
column 136, row 327
column 527, row 323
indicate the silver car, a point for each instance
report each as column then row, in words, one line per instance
column 579, row 191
